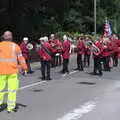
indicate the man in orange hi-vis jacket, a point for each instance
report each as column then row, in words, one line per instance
column 10, row 56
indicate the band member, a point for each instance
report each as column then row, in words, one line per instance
column 115, row 54
column 80, row 52
column 106, row 53
column 96, row 52
column 54, row 43
column 25, row 47
column 45, row 53
column 65, row 53
column 58, row 56
column 87, row 54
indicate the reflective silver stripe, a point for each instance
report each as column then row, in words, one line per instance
column 11, row 106
column 11, row 102
column 6, row 91
column 11, row 91
column 13, row 59
column 8, row 60
column 3, row 91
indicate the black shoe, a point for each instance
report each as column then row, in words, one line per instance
column 85, row 66
column 48, row 78
column 93, row 73
column 60, row 64
column 52, row 66
column 80, row 69
column 115, row 65
column 43, row 78
column 76, row 69
column 106, row 70
column 100, row 74
column 62, row 72
column 30, row 72
column 67, row 72
column 11, row 111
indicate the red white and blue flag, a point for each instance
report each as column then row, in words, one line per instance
column 107, row 29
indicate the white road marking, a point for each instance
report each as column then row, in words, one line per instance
column 77, row 113
column 73, row 72
column 69, row 73
column 34, row 84
column 64, row 74
column 31, row 85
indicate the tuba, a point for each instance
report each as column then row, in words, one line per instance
column 95, row 50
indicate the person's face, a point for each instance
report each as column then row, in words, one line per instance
column 87, row 39
column 79, row 39
column 52, row 37
column 25, row 41
column 8, row 36
column 114, row 36
column 42, row 42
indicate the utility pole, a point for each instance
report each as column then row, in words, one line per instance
column 10, row 11
column 95, row 27
column 115, row 25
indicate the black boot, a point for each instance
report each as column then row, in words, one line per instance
column 11, row 111
column 2, row 107
column 43, row 78
column 30, row 72
column 93, row 73
column 48, row 78
column 100, row 73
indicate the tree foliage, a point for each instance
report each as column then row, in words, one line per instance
column 38, row 17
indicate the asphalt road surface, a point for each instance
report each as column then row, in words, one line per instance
column 74, row 96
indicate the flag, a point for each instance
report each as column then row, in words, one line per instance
column 107, row 29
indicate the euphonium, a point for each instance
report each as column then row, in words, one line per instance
column 95, row 50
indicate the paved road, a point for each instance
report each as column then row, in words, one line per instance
column 77, row 96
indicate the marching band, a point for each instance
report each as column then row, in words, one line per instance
column 52, row 52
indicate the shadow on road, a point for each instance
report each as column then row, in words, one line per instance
column 18, row 105
column 86, row 83
column 35, row 90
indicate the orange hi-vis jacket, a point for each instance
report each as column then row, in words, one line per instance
column 10, row 58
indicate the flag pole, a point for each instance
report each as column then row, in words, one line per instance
column 95, row 18
column 106, row 20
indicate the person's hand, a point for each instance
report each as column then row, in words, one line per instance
column 25, row 73
column 105, row 46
